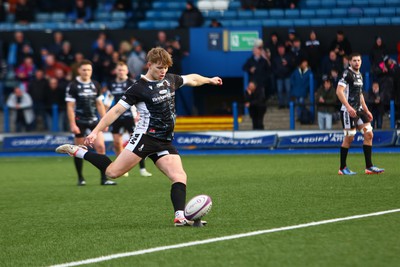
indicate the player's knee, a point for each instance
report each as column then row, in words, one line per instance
column 367, row 130
column 180, row 177
column 350, row 133
column 368, row 135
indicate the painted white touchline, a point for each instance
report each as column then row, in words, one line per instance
column 223, row 238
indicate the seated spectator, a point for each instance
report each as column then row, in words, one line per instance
column 24, row 12
column 374, row 100
column 80, row 12
column 326, row 103
column 191, row 16
column 254, row 99
column 21, row 113
column 215, row 24
column 52, row 65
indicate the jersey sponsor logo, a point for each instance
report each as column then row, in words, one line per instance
column 161, row 98
column 163, row 92
column 163, row 83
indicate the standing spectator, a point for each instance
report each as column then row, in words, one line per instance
column 314, row 52
column 24, row 12
column 84, row 102
column 37, row 90
column 299, row 53
column 290, row 39
column 137, row 61
column 300, row 86
column 375, row 104
column 3, row 13
column 191, row 16
column 80, row 12
column 124, row 50
column 334, row 76
column 123, row 5
column 66, row 54
column 25, row 72
column 175, row 50
column 385, row 73
column 283, row 69
column 272, row 44
column 162, row 40
column 109, row 64
column 55, row 95
column 378, row 52
column 254, row 98
column 22, row 114
column 52, row 65
column 256, row 66
column 326, row 103
column 270, row 88
column 332, row 61
column 341, row 45
column 15, row 49
column 58, row 40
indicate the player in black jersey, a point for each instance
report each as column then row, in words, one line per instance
column 355, row 115
column 154, row 96
column 84, row 100
column 126, row 122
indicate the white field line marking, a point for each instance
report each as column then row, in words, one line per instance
column 223, row 238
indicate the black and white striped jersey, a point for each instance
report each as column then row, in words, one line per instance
column 353, row 82
column 155, row 102
column 117, row 90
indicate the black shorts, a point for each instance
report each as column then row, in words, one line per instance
column 121, row 125
column 352, row 123
column 144, row 146
column 85, row 128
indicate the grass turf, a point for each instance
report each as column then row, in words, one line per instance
column 46, row 219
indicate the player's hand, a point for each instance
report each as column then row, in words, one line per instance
column 216, row 81
column 89, row 140
column 352, row 112
column 370, row 116
column 75, row 129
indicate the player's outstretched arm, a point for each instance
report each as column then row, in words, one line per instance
column 105, row 121
column 198, row 80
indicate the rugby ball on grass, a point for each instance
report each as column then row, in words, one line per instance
column 198, row 207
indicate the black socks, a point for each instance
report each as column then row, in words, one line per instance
column 178, row 196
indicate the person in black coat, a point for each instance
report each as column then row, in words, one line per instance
column 254, row 98
column 191, row 16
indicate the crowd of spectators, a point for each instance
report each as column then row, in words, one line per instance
column 42, row 76
column 283, row 66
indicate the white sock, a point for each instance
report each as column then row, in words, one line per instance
column 179, row 214
column 80, row 153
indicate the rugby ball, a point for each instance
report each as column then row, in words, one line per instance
column 198, row 207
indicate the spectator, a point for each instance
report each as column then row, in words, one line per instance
column 272, row 44
column 378, row 51
column 215, row 23
column 341, row 45
column 20, row 104
column 385, row 73
column 254, row 98
column 300, row 85
column 66, row 55
column 123, row 5
column 26, row 71
column 125, row 49
column 52, row 65
column 109, row 63
column 298, row 52
column 24, row 12
column 283, row 69
column 58, row 40
column 3, row 13
column 162, row 40
column 289, row 41
column 326, row 103
column 78, row 58
column 314, row 52
column 16, row 49
column 55, row 95
column 191, row 16
column 256, row 66
column 37, row 91
column 80, row 12
column 334, row 76
column 137, row 61
column 332, row 61
column 374, row 99
column 175, row 50
column 270, row 88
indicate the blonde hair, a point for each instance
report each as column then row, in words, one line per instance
column 159, row 55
